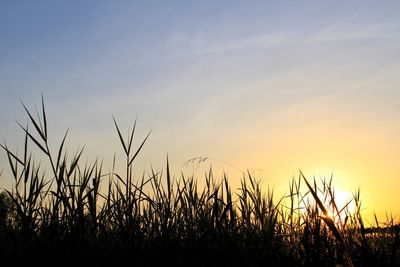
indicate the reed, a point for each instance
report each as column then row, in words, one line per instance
column 81, row 214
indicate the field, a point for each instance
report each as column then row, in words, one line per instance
column 79, row 214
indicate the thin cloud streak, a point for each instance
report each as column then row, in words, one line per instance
column 222, row 79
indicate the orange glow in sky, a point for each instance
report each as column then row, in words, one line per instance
column 268, row 86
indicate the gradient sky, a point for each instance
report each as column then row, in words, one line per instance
column 272, row 86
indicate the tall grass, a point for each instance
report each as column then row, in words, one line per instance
column 81, row 214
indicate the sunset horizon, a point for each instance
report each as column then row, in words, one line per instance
column 266, row 90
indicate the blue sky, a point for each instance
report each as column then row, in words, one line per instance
column 270, row 85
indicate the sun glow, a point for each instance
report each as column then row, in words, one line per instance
column 327, row 201
column 339, row 205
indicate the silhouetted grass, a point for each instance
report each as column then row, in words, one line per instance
column 80, row 214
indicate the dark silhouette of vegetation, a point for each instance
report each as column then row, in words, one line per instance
column 79, row 214
column 6, row 211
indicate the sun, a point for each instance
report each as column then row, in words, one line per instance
column 340, row 205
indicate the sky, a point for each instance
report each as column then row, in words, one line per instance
column 270, row 86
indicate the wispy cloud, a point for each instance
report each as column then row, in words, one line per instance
column 213, row 77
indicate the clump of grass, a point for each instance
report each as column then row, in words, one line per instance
column 81, row 212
